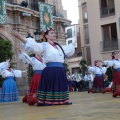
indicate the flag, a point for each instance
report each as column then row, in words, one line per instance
column 3, row 16
column 46, row 15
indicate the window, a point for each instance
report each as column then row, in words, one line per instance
column 69, row 33
column 110, row 41
column 86, row 31
column 10, row 1
column 70, row 41
column 107, row 8
column 85, row 16
column 88, row 55
column 34, row 4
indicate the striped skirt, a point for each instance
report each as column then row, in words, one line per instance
column 9, row 90
column 53, row 88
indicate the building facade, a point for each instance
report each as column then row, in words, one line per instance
column 73, row 34
column 104, row 28
column 25, row 19
column 84, row 30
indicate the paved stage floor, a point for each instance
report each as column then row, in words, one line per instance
column 85, row 106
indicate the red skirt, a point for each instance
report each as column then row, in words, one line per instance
column 98, row 84
column 30, row 98
column 116, row 80
column 34, row 83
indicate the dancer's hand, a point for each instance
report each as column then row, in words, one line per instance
column 18, row 48
column 8, row 61
column 17, row 35
column 101, row 61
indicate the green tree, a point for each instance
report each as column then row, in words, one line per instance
column 66, row 66
column 83, row 68
column 5, row 53
column 30, row 71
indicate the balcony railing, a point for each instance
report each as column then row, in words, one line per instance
column 107, row 11
column 109, row 45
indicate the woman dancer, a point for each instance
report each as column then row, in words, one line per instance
column 9, row 92
column 53, row 88
column 38, row 66
column 115, row 63
column 98, row 83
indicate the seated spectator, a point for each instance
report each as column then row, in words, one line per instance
column 88, row 80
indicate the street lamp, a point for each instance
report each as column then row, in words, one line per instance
column 37, row 34
column 29, row 35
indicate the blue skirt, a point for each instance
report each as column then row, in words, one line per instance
column 9, row 90
column 53, row 88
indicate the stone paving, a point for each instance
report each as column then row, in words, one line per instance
column 85, row 106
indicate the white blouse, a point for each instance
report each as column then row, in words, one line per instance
column 12, row 73
column 97, row 70
column 37, row 65
column 50, row 53
column 3, row 66
column 88, row 77
column 114, row 63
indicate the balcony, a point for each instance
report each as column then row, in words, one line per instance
column 33, row 6
column 109, row 45
column 107, row 11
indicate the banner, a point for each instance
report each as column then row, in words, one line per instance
column 3, row 16
column 46, row 15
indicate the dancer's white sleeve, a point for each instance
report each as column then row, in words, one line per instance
column 17, row 73
column 32, row 46
column 108, row 63
column 3, row 66
column 69, row 49
column 26, row 58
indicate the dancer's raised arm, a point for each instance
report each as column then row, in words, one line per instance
column 17, row 35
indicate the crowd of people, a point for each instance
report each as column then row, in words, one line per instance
column 51, row 84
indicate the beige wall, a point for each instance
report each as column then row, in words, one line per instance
column 95, row 31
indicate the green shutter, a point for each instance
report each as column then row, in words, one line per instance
column 46, row 16
column 3, row 17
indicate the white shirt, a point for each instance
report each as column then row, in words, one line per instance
column 114, row 63
column 97, row 70
column 50, row 53
column 12, row 73
column 36, row 64
column 3, row 66
column 76, row 77
column 88, row 77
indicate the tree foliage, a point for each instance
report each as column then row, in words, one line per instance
column 5, row 53
column 83, row 68
column 66, row 66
